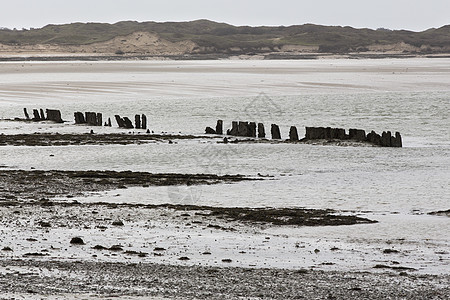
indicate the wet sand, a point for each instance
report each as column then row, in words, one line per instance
column 178, row 251
column 181, row 78
column 195, row 252
column 115, row 280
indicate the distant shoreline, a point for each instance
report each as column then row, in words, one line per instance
column 268, row 56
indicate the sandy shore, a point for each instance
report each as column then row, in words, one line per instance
column 131, row 251
column 136, row 246
column 35, row 278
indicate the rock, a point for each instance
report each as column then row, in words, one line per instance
column 7, row 249
column 225, row 140
column 261, row 131
column 99, row 247
column 148, row 131
column 227, row 260
column 275, row 131
column 27, row 116
column 209, row 130
column 389, row 251
column 44, row 224
column 77, row 241
column 137, row 121
column 184, row 258
column 293, row 134
column 144, row 122
column 117, row 223
column 219, row 127
column 116, row 248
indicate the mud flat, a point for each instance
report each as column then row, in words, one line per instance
column 56, row 139
column 73, row 139
column 37, row 184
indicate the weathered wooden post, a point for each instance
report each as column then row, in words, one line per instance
column 137, row 121
column 54, row 115
column 397, row 140
column 293, row 134
column 209, row 130
column 119, row 121
column 79, row 118
column 99, row 119
column 234, row 129
column 91, row 118
column 261, row 131
column 42, row 114
column 219, row 127
column 275, row 131
column 386, row 139
column 252, row 129
column 128, row 123
column 144, row 122
column 374, row 138
column 36, row 116
column 340, row 133
column 26, row 114
column 242, row 128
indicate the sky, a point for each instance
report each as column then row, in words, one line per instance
column 393, row 14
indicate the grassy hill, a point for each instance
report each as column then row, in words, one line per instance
column 215, row 37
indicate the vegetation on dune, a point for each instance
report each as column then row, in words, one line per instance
column 221, row 37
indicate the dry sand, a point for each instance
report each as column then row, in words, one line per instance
column 142, row 43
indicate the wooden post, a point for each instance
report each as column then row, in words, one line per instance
column 26, row 114
column 261, row 131
column 144, row 122
column 275, row 131
column 137, row 121
column 293, row 134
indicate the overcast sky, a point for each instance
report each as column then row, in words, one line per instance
column 394, row 14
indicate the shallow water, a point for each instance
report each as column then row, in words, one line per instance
column 411, row 96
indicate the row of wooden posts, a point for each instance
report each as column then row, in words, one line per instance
column 253, row 129
column 88, row 118
column 95, row 119
column 39, row 115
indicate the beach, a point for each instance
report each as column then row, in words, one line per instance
column 173, row 213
